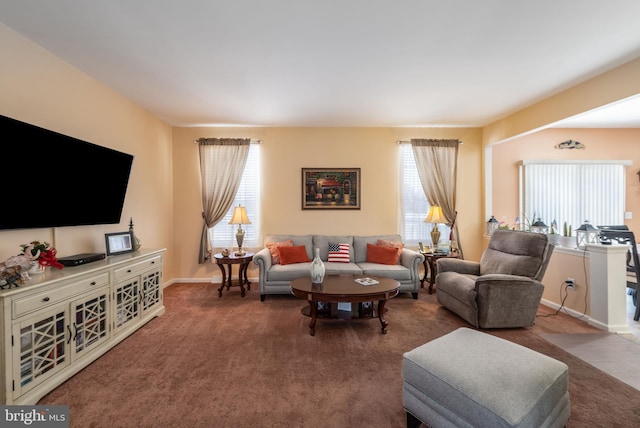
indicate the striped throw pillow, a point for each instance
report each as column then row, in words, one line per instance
column 338, row 253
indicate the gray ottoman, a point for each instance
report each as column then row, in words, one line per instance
column 472, row 379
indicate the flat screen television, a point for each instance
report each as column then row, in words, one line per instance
column 53, row 180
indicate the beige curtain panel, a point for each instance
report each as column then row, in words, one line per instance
column 437, row 163
column 222, row 162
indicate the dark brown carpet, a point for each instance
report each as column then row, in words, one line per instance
column 239, row 362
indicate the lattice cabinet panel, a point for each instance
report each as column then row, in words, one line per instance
column 90, row 326
column 40, row 349
column 151, row 289
column 127, row 302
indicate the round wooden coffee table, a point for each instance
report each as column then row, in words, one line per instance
column 344, row 288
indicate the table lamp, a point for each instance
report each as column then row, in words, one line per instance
column 435, row 216
column 239, row 217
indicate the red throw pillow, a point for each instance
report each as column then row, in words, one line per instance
column 274, row 250
column 295, row 254
column 398, row 245
column 381, row 254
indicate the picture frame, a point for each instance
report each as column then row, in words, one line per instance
column 331, row 189
column 119, row 243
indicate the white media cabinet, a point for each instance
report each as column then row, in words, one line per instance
column 58, row 322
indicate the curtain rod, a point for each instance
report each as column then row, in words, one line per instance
column 409, row 141
column 252, row 141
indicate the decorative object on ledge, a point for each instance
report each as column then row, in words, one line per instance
column 239, row 217
column 136, row 242
column 539, row 227
column 570, row 144
column 331, row 188
column 13, row 271
column 43, row 253
column 435, row 216
column 492, row 225
column 587, row 234
column 119, row 243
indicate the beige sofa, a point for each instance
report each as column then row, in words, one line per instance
column 276, row 278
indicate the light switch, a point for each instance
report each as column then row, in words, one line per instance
column 628, row 215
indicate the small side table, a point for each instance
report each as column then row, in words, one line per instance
column 226, row 264
column 429, row 263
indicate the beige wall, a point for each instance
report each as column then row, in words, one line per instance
column 612, row 144
column 614, row 85
column 285, row 151
column 38, row 88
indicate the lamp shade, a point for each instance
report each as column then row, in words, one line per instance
column 239, row 216
column 435, row 215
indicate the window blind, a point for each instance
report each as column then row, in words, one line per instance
column 573, row 192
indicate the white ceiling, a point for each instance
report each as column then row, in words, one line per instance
column 337, row 62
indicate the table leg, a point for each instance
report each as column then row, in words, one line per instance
column 426, row 269
column 246, row 279
column 383, row 323
column 243, row 267
column 313, row 311
column 224, row 279
column 432, row 275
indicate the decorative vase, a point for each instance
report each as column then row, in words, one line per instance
column 136, row 241
column 36, row 268
column 317, row 269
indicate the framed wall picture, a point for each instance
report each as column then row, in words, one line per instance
column 119, row 243
column 330, row 188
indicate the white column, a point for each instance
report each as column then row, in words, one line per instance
column 608, row 288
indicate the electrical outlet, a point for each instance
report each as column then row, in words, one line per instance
column 571, row 283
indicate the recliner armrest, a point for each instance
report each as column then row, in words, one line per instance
column 464, row 267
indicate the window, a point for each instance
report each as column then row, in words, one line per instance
column 413, row 204
column 573, row 192
column 223, row 234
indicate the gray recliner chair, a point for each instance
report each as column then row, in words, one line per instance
column 504, row 289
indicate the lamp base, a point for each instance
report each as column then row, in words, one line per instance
column 239, row 253
column 435, row 237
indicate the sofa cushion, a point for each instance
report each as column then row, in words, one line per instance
column 336, row 268
column 306, row 240
column 514, row 252
column 322, row 243
column 360, row 245
column 273, row 249
column 397, row 272
column 398, row 245
column 381, row 254
column 338, row 252
column 289, row 272
column 294, row 254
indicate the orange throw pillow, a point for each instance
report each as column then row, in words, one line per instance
column 273, row 249
column 398, row 245
column 381, row 254
column 295, row 254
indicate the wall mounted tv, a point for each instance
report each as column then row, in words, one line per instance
column 53, row 180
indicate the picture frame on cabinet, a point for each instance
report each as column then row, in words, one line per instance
column 119, row 243
column 331, row 188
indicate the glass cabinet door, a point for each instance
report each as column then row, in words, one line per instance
column 126, row 303
column 90, row 322
column 41, row 349
column 151, row 290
